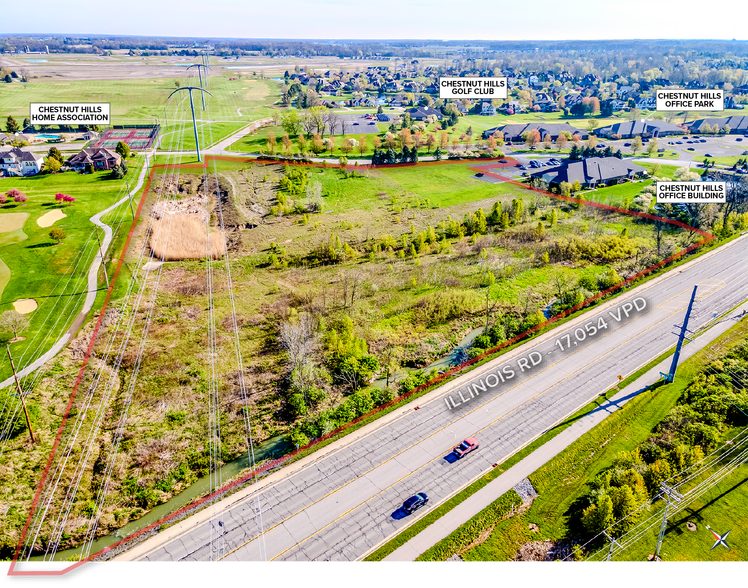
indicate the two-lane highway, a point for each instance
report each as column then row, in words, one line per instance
column 341, row 504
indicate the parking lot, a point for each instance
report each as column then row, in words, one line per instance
column 688, row 146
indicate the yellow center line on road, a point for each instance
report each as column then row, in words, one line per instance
column 478, row 407
column 479, row 430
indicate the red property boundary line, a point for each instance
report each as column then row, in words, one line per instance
column 707, row 237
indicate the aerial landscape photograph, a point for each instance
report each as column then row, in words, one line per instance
column 409, row 282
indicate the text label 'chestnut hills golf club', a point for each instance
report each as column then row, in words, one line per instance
column 487, row 88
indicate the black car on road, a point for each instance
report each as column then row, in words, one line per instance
column 415, row 502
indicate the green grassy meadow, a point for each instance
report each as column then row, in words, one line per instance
column 141, row 100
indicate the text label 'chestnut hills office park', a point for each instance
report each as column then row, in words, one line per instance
column 681, row 99
column 70, row 113
column 691, row 192
column 565, row 343
column 486, row 88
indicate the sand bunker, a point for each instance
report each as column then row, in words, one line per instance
column 25, row 305
column 47, row 220
column 12, row 221
column 182, row 236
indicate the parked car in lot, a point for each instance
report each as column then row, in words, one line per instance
column 679, row 142
column 522, row 167
column 708, row 155
column 468, row 445
column 691, row 149
column 371, row 123
column 627, row 144
column 738, row 139
column 415, row 502
column 702, row 140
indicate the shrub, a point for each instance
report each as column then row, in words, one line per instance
column 440, row 307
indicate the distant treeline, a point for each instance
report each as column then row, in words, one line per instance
column 531, row 54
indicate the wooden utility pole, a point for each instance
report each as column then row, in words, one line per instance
column 20, row 394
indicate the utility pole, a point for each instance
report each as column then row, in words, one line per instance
column 192, row 107
column 670, row 377
column 200, row 77
column 129, row 198
column 671, row 494
column 101, row 253
column 20, row 394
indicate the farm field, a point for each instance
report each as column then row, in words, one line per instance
column 144, row 100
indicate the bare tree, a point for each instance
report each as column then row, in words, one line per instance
column 300, row 341
column 14, row 322
column 350, row 282
column 332, row 121
column 344, row 124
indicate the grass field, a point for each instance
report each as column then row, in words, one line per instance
column 181, row 137
column 145, row 100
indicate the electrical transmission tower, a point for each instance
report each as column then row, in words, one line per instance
column 671, row 494
column 613, row 542
column 192, row 107
column 200, row 77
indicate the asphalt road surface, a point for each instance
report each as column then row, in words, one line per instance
column 339, row 504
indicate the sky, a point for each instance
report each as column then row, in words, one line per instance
column 382, row 19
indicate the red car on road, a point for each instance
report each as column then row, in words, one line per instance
column 466, row 447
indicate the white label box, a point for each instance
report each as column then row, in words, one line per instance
column 682, row 99
column 67, row 113
column 486, row 88
column 691, row 192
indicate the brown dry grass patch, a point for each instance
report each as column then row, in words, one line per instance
column 183, row 237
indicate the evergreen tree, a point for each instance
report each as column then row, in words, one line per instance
column 11, row 125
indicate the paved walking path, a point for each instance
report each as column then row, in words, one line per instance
column 93, row 287
column 462, row 513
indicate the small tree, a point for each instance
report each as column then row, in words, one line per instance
column 57, row 234
column 636, row 145
column 11, row 125
column 14, row 322
column 123, row 149
column 52, row 165
column 20, row 198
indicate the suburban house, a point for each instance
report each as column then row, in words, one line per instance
column 738, row 124
column 487, row 109
column 514, row 132
column 17, row 162
column 99, row 158
column 591, row 172
column 640, row 128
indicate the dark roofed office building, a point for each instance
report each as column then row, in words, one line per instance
column 640, row 128
column 591, row 172
column 737, row 124
column 423, row 112
column 514, row 132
